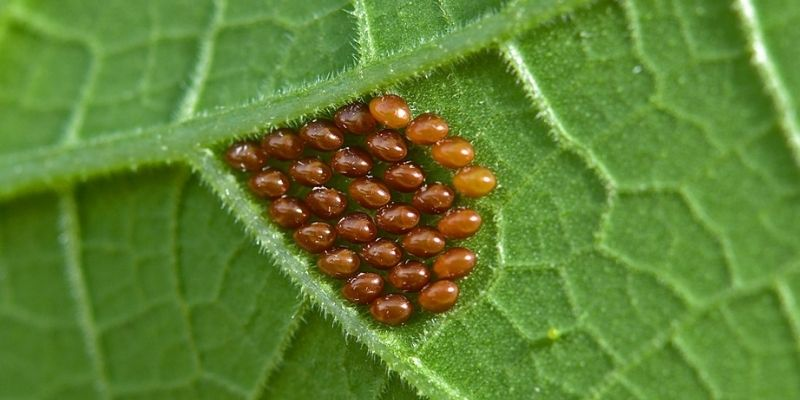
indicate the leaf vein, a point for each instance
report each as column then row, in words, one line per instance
column 70, row 237
column 36, row 169
column 763, row 61
column 191, row 97
column 274, row 363
column 789, row 308
column 517, row 61
column 366, row 43
column 180, row 184
column 272, row 241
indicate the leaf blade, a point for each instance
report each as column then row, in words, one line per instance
column 48, row 166
column 653, row 116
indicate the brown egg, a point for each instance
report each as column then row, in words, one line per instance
column 363, row 288
column 283, row 144
column 310, row 171
column 369, row 193
column 409, row 276
column 454, row 263
column 435, row 198
column 245, row 156
column 404, row 177
column 351, row 162
column 357, row 228
column 387, row 145
column 459, row 223
column 439, row 296
column 339, row 262
column 397, row 218
column 315, row 237
column 355, row 118
column 392, row 309
column 423, row 242
column 453, row 152
column 382, row 253
column 270, row 183
column 427, row 129
column 390, row 110
column 289, row 212
column 474, row 181
column 326, row 203
column 322, row 134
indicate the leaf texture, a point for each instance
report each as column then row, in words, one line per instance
column 643, row 242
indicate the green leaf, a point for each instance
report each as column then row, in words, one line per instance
column 644, row 241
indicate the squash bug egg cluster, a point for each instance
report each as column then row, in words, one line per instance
column 371, row 233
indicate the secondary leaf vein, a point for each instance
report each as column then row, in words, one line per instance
column 763, row 60
column 70, row 237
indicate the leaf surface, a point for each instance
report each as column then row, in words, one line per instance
column 643, row 242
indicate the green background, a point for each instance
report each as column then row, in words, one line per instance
column 644, row 241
